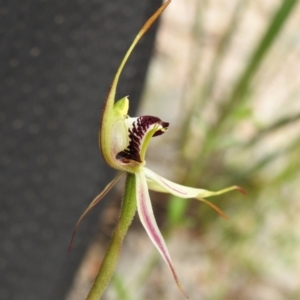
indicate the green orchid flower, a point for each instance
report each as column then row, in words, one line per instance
column 123, row 142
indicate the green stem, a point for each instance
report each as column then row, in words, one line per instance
column 111, row 258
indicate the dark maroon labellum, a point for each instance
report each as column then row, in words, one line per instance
column 136, row 133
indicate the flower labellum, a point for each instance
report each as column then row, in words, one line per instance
column 140, row 131
column 123, row 143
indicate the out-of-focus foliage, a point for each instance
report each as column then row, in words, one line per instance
column 226, row 76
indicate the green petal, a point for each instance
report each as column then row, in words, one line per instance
column 160, row 184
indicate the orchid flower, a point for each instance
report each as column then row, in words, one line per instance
column 123, row 142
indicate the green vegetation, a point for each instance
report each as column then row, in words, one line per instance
column 239, row 123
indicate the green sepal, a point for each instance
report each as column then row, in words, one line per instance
column 113, row 134
column 112, row 113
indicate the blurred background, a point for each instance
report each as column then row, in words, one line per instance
column 225, row 74
column 57, row 61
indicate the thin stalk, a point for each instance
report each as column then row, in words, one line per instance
column 112, row 255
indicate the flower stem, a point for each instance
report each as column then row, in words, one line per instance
column 111, row 258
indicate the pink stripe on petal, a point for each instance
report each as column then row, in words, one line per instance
column 148, row 220
column 160, row 184
column 173, row 187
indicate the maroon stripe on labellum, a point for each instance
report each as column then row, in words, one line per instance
column 136, row 133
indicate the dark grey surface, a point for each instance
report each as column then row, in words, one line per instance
column 57, row 60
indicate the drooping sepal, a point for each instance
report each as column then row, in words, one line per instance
column 146, row 215
column 95, row 201
column 110, row 260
